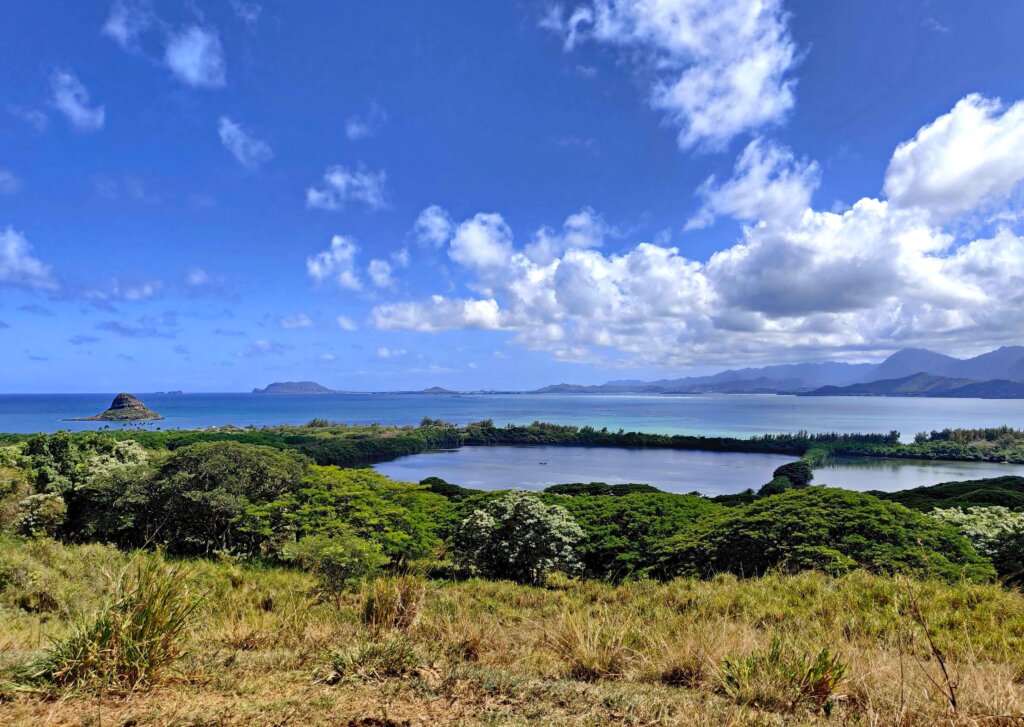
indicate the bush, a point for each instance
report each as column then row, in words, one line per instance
column 41, row 515
column 826, row 529
column 131, row 641
column 783, row 680
column 520, row 538
column 340, row 562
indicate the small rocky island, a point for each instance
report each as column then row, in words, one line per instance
column 124, row 408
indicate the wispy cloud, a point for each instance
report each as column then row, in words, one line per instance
column 71, row 98
column 365, row 125
column 249, row 150
column 344, row 184
column 196, row 57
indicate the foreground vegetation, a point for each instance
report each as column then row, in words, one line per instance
column 244, row 574
column 261, row 646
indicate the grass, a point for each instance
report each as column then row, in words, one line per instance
column 262, row 649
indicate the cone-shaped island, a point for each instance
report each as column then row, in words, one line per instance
column 124, row 408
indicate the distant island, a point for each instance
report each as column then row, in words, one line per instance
column 294, row 387
column 124, row 408
column 928, row 385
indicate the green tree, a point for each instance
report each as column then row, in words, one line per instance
column 340, row 562
column 518, row 537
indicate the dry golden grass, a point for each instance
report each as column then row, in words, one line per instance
column 263, row 650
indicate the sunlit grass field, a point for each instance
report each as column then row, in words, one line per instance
column 259, row 646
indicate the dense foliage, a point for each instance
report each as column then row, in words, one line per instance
column 280, row 493
column 833, row 530
column 1006, row 491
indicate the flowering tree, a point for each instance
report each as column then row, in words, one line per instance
column 520, row 538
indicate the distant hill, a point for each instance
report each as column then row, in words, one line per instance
column 922, row 384
column 438, row 390
column 294, row 387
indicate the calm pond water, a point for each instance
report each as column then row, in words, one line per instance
column 709, row 473
column 738, row 415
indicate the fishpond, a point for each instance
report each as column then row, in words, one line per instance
column 709, row 473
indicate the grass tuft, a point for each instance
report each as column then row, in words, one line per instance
column 377, row 660
column 130, row 642
column 593, row 647
column 394, row 604
column 781, row 679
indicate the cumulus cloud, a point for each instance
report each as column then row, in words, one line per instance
column 768, row 183
column 384, row 352
column 482, row 243
column 298, row 320
column 18, row 267
column 878, row 275
column 968, row 157
column 720, row 67
column 342, row 184
column 433, row 227
column 71, row 98
column 247, row 149
column 338, row 263
column 380, row 273
column 196, row 57
column 584, row 229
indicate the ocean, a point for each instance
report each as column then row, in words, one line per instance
column 738, row 415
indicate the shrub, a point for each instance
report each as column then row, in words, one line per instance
column 340, row 562
column 41, row 515
column 520, row 538
column 783, row 680
column 394, row 603
column 131, row 641
column 985, row 527
column 824, row 528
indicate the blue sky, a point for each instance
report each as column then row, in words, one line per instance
column 390, row 195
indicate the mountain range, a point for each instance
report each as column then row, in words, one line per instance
column 1002, row 366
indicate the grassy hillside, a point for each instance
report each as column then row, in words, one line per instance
column 261, row 648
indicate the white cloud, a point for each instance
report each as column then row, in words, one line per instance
column 482, row 243
column 798, row 284
column 365, row 125
column 401, row 258
column 336, row 263
column 384, row 352
column 720, row 66
column 196, row 57
column 768, row 183
column 342, row 185
column 584, row 229
column 970, row 156
column 18, row 267
column 347, row 324
column 438, row 314
column 433, row 227
column 9, row 183
column 298, row 320
column 250, row 151
column 380, row 273
column 127, row 21
column 72, row 99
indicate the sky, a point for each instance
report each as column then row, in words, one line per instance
column 210, row 196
